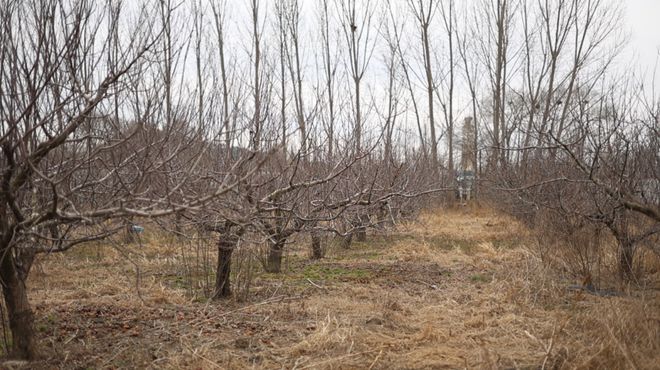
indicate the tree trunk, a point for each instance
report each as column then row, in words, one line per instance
column 129, row 234
column 21, row 318
column 361, row 230
column 317, row 248
column 347, row 240
column 361, row 234
column 274, row 262
column 226, row 245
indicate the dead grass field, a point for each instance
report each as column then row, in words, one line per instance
column 457, row 289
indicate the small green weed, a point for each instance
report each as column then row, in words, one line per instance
column 324, row 272
column 447, row 243
column 481, row 278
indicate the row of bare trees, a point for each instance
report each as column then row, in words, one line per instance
column 572, row 135
column 275, row 119
column 118, row 111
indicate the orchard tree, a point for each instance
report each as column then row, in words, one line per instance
column 87, row 139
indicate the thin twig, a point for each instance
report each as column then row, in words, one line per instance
column 376, row 360
column 316, row 285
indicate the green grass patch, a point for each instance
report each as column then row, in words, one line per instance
column 481, row 278
column 446, row 243
column 178, row 282
column 316, row 272
column 90, row 251
column 185, row 281
column 506, row 243
column 368, row 254
column 388, row 240
column 324, row 272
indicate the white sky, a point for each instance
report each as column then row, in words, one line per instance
column 643, row 20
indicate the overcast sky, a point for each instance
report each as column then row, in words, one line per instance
column 643, row 18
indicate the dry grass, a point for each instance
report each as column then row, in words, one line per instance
column 456, row 289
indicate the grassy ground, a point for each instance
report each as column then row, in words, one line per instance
column 457, row 289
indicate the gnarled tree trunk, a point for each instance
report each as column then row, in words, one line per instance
column 21, row 318
column 317, row 249
column 361, row 227
column 274, row 261
column 226, row 247
column 347, row 240
column 626, row 250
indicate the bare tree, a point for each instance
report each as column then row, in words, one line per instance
column 256, row 129
column 470, row 68
column 72, row 172
column 329, row 71
column 587, row 166
column 393, row 64
column 448, row 21
column 495, row 28
column 292, row 15
column 397, row 34
column 280, row 10
column 219, row 13
column 360, row 43
column 424, row 13
column 45, row 119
